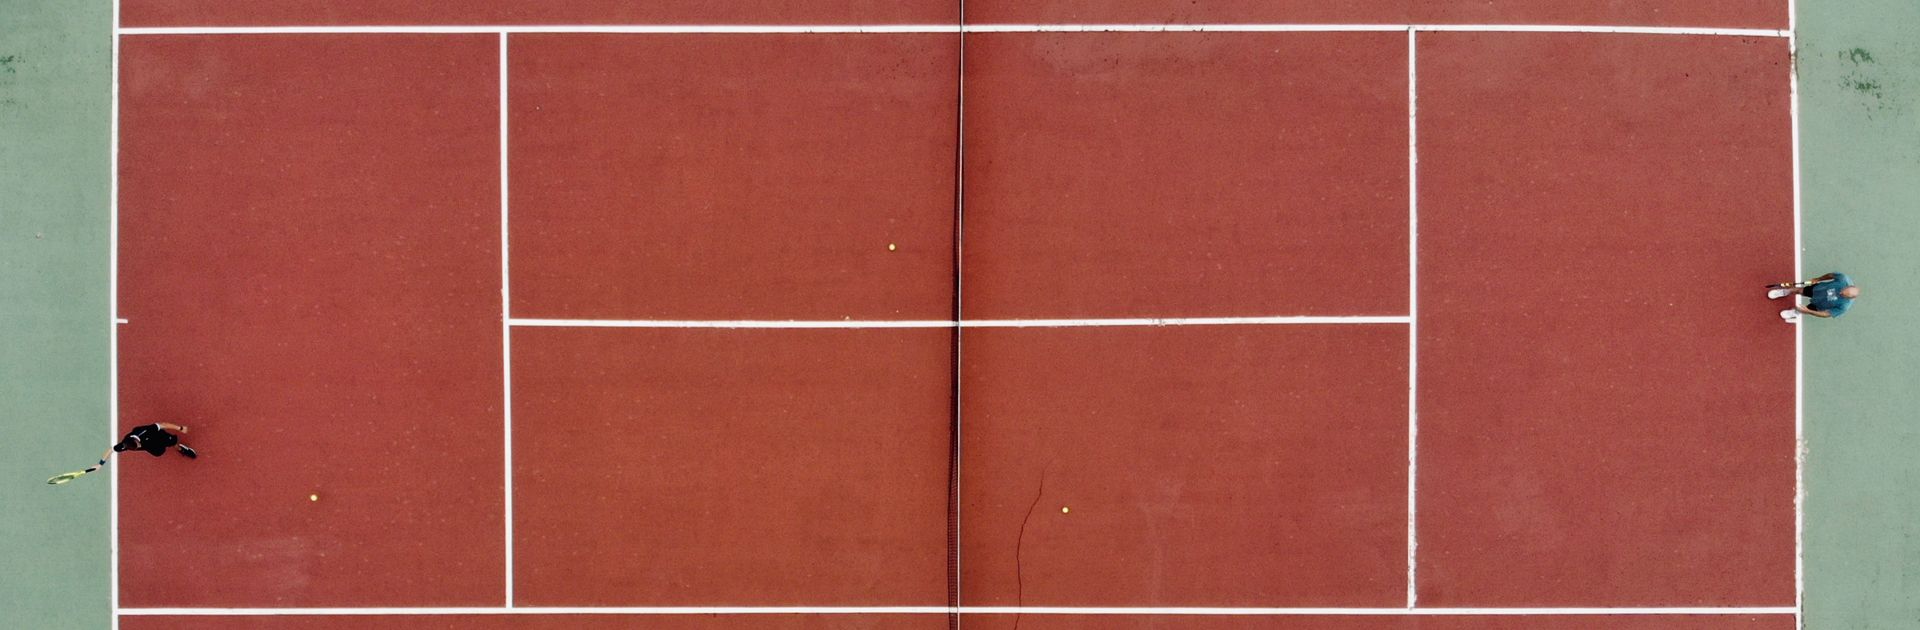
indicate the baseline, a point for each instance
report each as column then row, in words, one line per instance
column 831, row 29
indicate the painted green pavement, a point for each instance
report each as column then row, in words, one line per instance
column 55, row 57
column 1859, row 69
column 1859, row 66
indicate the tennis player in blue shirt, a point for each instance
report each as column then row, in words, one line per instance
column 1827, row 296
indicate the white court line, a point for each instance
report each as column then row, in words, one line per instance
column 1800, row 449
column 629, row 323
column 1413, row 317
column 941, row 610
column 681, row 29
column 1185, row 28
column 1624, row 30
column 687, row 29
column 971, row 323
column 113, row 332
column 1371, row 612
column 506, row 330
column 544, row 610
column 1184, row 321
column 120, row 320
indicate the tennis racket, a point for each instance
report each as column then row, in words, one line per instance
column 1790, row 285
column 66, row 477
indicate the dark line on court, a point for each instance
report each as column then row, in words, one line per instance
column 953, row 425
column 1019, row 547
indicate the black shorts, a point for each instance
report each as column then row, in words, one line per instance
column 153, row 439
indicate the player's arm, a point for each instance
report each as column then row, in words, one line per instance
column 1821, row 279
column 173, row 427
column 103, row 457
column 1813, row 312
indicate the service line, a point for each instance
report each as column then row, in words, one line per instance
column 971, row 323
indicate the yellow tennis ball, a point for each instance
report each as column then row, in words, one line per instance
column 313, row 497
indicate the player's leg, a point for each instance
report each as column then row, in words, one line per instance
column 187, row 451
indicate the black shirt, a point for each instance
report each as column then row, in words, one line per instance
column 153, row 439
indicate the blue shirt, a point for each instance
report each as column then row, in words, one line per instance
column 1825, row 296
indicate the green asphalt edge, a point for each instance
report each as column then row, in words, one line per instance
column 56, row 61
column 1859, row 81
column 1858, row 66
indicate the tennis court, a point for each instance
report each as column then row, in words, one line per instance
column 863, row 314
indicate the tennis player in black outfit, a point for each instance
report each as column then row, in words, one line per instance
column 155, row 439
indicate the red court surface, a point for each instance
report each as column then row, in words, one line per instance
column 1606, row 411
column 1333, row 622
column 309, row 262
column 722, row 467
column 733, row 177
column 733, row 377
column 1184, row 174
column 423, row 12
column 1184, row 466
column 1695, row 13
column 1187, row 12
column 560, row 622
column 1770, row 14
